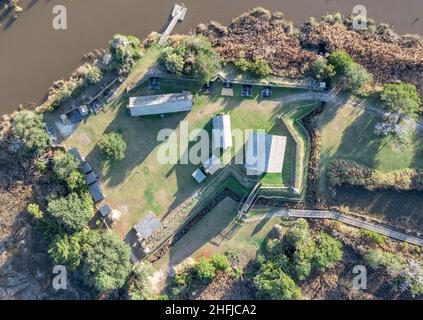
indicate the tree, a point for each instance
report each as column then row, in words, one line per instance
column 93, row 75
column 401, row 98
column 243, row 64
column 340, row 60
column 220, row 262
column 174, row 63
column 206, row 66
column 141, row 288
column 356, row 77
column 125, row 51
column 105, row 265
column 205, row 270
column 261, row 68
column 68, row 249
column 272, row 283
column 113, row 146
column 72, row 212
column 29, row 128
column 66, row 168
column 328, row 253
column 321, row 70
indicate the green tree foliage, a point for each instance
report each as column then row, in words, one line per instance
column 356, row 77
column 93, row 75
column 141, row 288
column 260, row 68
column 68, row 249
column 34, row 210
column 340, row 60
column 125, row 51
column 206, row 66
column 113, row 146
column 401, row 98
column 105, row 265
column 72, row 212
column 378, row 258
column 373, row 236
column 28, row 127
column 220, row 262
column 66, row 168
column 321, row 70
column 243, row 64
column 329, row 252
column 204, row 270
column 173, row 62
column 272, row 283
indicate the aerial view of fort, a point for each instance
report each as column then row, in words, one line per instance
column 211, row 150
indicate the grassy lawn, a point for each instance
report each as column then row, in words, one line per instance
column 348, row 133
column 139, row 184
column 218, row 232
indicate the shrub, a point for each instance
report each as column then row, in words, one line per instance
column 204, row 270
column 261, row 68
column 180, row 283
column 321, row 70
column 243, row 64
column 220, row 262
column 66, row 168
column 72, row 212
column 125, row 51
column 356, row 77
column 272, row 283
column 34, row 210
column 328, row 253
column 373, row 236
column 29, row 128
column 378, row 258
column 67, row 250
column 113, row 146
column 402, row 98
column 141, row 288
column 93, row 75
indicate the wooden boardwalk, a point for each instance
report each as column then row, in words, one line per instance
column 178, row 14
column 312, row 214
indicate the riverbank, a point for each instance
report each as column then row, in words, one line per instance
column 42, row 55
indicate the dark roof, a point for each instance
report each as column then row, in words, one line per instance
column 91, row 178
column 96, row 192
column 105, row 210
column 86, row 167
column 77, row 154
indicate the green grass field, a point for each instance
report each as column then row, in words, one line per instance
column 348, row 133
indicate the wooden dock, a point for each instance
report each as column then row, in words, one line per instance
column 178, row 14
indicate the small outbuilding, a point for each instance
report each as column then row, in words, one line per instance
column 96, row 193
column 147, row 226
column 265, row 153
column 91, row 178
column 222, row 132
column 212, row 165
column 105, row 210
column 86, row 167
column 161, row 104
column 199, row 176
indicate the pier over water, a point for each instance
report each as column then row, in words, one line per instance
column 178, row 14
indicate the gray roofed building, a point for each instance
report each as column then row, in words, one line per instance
column 147, row 226
column 91, row 178
column 96, row 192
column 222, row 132
column 199, row 176
column 212, row 165
column 86, row 168
column 105, row 210
column 77, row 154
column 265, row 153
column 161, row 104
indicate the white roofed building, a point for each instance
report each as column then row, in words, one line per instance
column 265, row 153
column 161, row 104
column 222, row 132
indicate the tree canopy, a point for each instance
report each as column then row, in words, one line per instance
column 113, row 146
column 401, row 98
column 66, row 168
column 29, row 128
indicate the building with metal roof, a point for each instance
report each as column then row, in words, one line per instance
column 96, row 193
column 264, row 153
column 147, row 226
column 90, row 178
column 161, row 104
column 222, row 132
column 105, row 210
column 212, row 165
column 199, row 176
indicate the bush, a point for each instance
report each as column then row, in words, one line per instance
column 66, row 168
column 328, row 253
column 125, row 51
column 321, row 70
column 93, row 75
column 204, row 270
column 356, row 77
column 180, row 283
column 261, row 68
column 272, row 283
column 141, row 288
column 34, row 210
column 67, row 250
column 373, row 236
column 113, row 146
column 29, row 128
column 378, row 258
column 243, row 65
column 220, row 262
column 72, row 212
column 401, row 98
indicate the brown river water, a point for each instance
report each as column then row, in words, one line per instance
column 33, row 54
